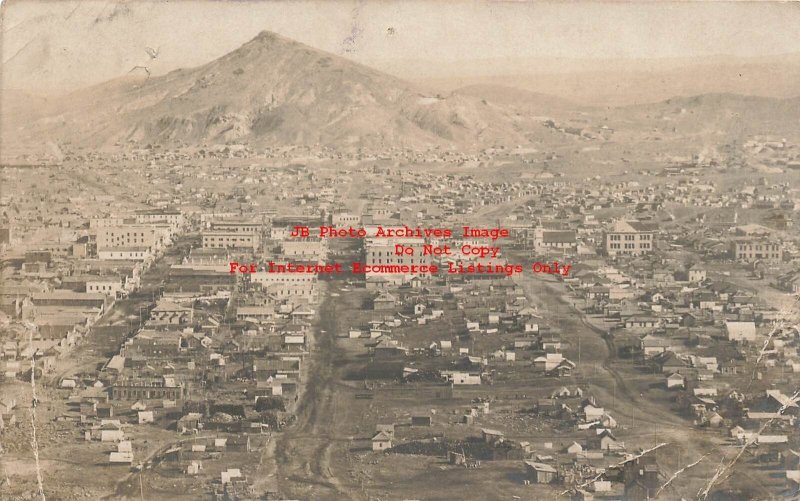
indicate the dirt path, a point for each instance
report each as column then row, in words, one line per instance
column 644, row 420
column 302, row 453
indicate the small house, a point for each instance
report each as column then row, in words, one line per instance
column 675, row 380
column 381, row 441
column 540, row 473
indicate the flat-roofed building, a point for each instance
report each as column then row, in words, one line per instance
column 152, row 216
column 237, row 226
column 148, row 236
column 136, row 388
column 308, row 249
column 124, row 253
column 749, row 250
column 230, row 240
column 109, row 285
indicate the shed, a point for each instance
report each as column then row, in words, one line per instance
column 540, row 473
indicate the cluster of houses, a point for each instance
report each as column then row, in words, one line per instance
column 225, row 352
column 53, row 293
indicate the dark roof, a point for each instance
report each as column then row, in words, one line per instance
column 558, row 236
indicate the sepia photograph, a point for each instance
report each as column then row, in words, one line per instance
column 382, row 250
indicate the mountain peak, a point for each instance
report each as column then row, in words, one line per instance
column 274, row 90
column 271, row 40
column 268, row 37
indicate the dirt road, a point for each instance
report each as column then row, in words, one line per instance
column 302, row 453
column 618, row 388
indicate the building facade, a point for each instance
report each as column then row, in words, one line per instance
column 750, row 250
column 230, row 240
column 629, row 238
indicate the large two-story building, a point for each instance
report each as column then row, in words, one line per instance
column 630, row 238
column 749, row 250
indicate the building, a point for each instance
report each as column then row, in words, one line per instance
column 604, row 440
column 230, row 240
column 381, row 441
column 789, row 282
column 68, row 299
column 675, row 381
column 381, row 251
column 740, row 331
column 124, row 254
column 172, row 217
column 296, row 279
column 120, row 457
column 642, row 478
column 108, row 285
column 154, row 344
column 306, row 249
column 750, row 250
column 344, row 219
column 146, row 388
column 167, row 312
column 555, row 241
column 147, row 236
column 540, row 473
column 247, row 227
column 697, row 273
column 629, row 238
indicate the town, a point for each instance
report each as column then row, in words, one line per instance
column 373, row 251
column 661, row 316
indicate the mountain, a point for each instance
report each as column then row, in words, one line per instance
column 274, row 92
column 269, row 91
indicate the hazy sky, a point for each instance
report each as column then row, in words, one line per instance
column 64, row 44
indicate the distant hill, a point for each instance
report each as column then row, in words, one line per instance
column 722, row 115
column 271, row 90
column 626, row 82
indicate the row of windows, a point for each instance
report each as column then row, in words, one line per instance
column 114, row 234
column 629, row 246
column 101, row 288
column 229, row 239
column 767, row 247
column 236, row 229
column 630, row 238
column 147, row 393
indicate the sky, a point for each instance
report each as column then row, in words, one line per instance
column 51, row 46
